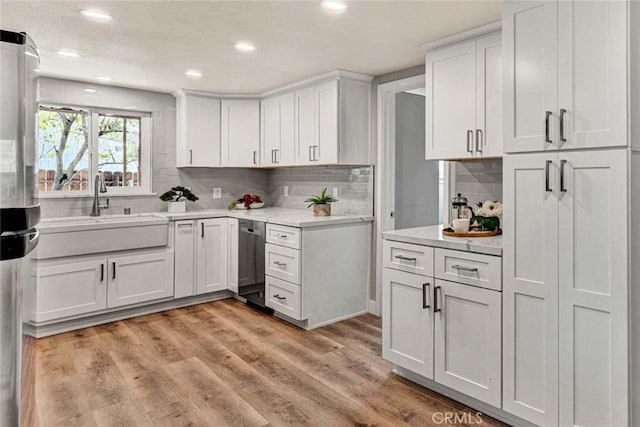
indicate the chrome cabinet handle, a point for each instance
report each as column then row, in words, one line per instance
column 547, row 115
column 463, row 268
column 562, row 113
column 424, row 295
column 280, row 264
column 547, row 185
column 479, row 140
column 254, row 157
column 277, row 296
column 406, row 258
column 562, row 165
column 469, row 141
column 113, row 276
column 436, row 307
column 102, row 272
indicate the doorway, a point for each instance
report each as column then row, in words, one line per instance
column 410, row 191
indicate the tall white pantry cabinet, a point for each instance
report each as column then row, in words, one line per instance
column 571, row 276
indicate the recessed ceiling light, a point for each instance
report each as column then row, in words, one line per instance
column 68, row 53
column 96, row 15
column 90, row 90
column 245, row 47
column 334, row 5
column 195, row 74
column 104, row 78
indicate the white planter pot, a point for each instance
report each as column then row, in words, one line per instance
column 178, row 207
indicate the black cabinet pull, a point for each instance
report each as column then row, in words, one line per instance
column 277, row 296
column 424, row 295
column 202, row 230
column 101, row 272
column 436, row 307
column 562, row 187
column 547, row 115
column 562, row 113
column 113, row 276
column 547, row 185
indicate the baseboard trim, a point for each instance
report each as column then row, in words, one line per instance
column 472, row 403
column 41, row 331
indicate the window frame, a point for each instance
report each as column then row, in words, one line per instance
column 145, row 161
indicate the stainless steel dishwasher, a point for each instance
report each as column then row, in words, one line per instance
column 251, row 241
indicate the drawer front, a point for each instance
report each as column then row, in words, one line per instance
column 469, row 268
column 414, row 259
column 283, row 263
column 283, row 297
column 284, row 236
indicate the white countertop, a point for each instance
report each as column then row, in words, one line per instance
column 432, row 236
column 281, row 216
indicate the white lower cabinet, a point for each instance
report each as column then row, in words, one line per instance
column 468, row 340
column 139, row 278
column 81, row 285
column 407, row 321
column 69, row 289
column 211, row 255
column 444, row 331
column 283, row 297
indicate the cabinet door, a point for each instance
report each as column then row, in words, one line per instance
column 326, row 147
column 529, row 31
column 184, row 243
column 277, row 131
column 530, row 288
column 593, row 242
column 407, row 321
column 468, row 340
column 305, row 125
column 489, row 82
column 592, row 73
column 240, row 132
column 451, row 102
column 198, row 131
column 70, row 289
column 139, row 278
column 233, row 264
column 212, row 249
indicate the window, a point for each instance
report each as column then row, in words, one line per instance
column 76, row 143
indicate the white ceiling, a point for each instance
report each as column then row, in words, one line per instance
column 150, row 44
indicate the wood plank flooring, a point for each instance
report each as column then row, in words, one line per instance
column 224, row 364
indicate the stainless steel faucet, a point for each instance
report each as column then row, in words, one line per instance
column 98, row 185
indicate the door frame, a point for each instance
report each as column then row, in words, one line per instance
column 386, row 168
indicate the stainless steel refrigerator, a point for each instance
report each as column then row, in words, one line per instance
column 19, row 215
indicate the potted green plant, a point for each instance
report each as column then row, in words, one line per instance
column 177, row 198
column 321, row 204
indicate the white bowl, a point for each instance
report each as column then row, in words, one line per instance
column 240, row 206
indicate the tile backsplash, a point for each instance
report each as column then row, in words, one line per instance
column 479, row 181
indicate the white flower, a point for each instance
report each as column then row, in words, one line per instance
column 490, row 209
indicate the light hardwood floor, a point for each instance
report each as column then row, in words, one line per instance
column 222, row 363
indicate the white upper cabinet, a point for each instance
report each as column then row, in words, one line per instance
column 565, row 78
column 198, row 130
column 277, row 131
column 464, row 100
column 332, row 122
column 240, row 133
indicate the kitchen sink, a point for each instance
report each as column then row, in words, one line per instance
column 71, row 236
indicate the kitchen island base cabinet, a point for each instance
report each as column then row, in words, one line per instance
column 333, row 275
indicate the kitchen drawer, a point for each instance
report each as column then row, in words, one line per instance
column 283, row 263
column 407, row 257
column 284, row 236
column 469, row 268
column 283, row 297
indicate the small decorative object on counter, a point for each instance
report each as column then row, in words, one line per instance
column 177, row 198
column 460, row 208
column 487, row 216
column 321, row 204
column 247, row 201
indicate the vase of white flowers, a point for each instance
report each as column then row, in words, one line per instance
column 487, row 216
